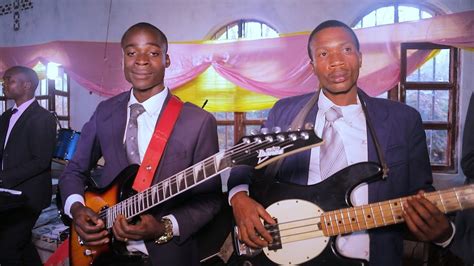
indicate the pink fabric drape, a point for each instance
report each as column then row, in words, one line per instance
column 278, row 67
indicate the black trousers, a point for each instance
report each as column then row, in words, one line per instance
column 15, row 237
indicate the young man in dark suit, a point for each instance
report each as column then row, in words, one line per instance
column 335, row 57
column 193, row 138
column 28, row 138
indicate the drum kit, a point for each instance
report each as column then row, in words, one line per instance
column 66, row 145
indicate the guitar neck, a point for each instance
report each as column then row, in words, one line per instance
column 168, row 188
column 389, row 212
column 257, row 151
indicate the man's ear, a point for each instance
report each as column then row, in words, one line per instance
column 311, row 63
column 167, row 61
column 27, row 84
column 360, row 59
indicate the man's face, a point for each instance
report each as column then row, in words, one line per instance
column 336, row 60
column 144, row 59
column 15, row 85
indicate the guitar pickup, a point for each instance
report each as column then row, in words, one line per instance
column 274, row 231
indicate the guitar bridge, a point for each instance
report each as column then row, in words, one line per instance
column 274, row 231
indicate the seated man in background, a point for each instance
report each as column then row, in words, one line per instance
column 28, row 138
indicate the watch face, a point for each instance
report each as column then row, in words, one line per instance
column 168, row 234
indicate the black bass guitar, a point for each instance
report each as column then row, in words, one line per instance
column 309, row 218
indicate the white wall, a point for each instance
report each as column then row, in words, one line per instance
column 184, row 20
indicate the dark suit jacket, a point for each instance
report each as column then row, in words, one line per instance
column 463, row 241
column 402, row 138
column 193, row 139
column 27, row 155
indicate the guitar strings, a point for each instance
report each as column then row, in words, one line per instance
column 129, row 205
column 336, row 226
column 131, row 201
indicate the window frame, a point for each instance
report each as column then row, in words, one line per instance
column 433, row 10
column 399, row 93
column 240, row 122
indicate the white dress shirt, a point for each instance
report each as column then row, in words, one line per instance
column 353, row 131
column 14, row 118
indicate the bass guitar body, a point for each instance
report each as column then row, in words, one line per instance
column 304, row 243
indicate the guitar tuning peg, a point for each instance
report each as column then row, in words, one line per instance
column 254, row 132
column 293, row 136
column 276, row 130
column 309, row 126
column 280, row 137
column 264, row 130
column 304, row 135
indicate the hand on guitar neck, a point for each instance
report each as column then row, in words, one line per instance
column 89, row 227
column 147, row 227
column 92, row 230
column 247, row 214
column 425, row 221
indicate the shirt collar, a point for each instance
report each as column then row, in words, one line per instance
column 348, row 111
column 23, row 106
column 153, row 104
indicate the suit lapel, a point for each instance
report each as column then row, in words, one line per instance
column 119, row 121
column 378, row 115
column 5, row 119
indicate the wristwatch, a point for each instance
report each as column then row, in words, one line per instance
column 168, row 234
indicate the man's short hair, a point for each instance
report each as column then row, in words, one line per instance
column 148, row 26
column 30, row 74
column 331, row 24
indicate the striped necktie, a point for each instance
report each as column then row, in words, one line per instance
column 332, row 156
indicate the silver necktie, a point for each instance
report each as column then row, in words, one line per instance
column 332, row 156
column 131, row 140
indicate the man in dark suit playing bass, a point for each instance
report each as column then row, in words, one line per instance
column 350, row 122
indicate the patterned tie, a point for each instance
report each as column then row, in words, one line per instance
column 332, row 156
column 131, row 141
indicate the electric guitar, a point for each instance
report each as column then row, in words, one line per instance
column 310, row 217
column 120, row 199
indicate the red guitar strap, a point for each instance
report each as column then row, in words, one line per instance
column 157, row 144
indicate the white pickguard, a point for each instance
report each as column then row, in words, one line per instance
column 301, row 238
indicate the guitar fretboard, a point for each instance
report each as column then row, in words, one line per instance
column 389, row 212
column 168, row 188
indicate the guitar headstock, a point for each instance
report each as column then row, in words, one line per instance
column 261, row 149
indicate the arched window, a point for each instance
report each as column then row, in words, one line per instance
column 431, row 89
column 393, row 14
column 232, row 126
column 245, row 29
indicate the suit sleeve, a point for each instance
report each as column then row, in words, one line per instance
column 463, row 240
column 206, row 199
column 88, row 152
column 244, row 174
column 41, row 143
